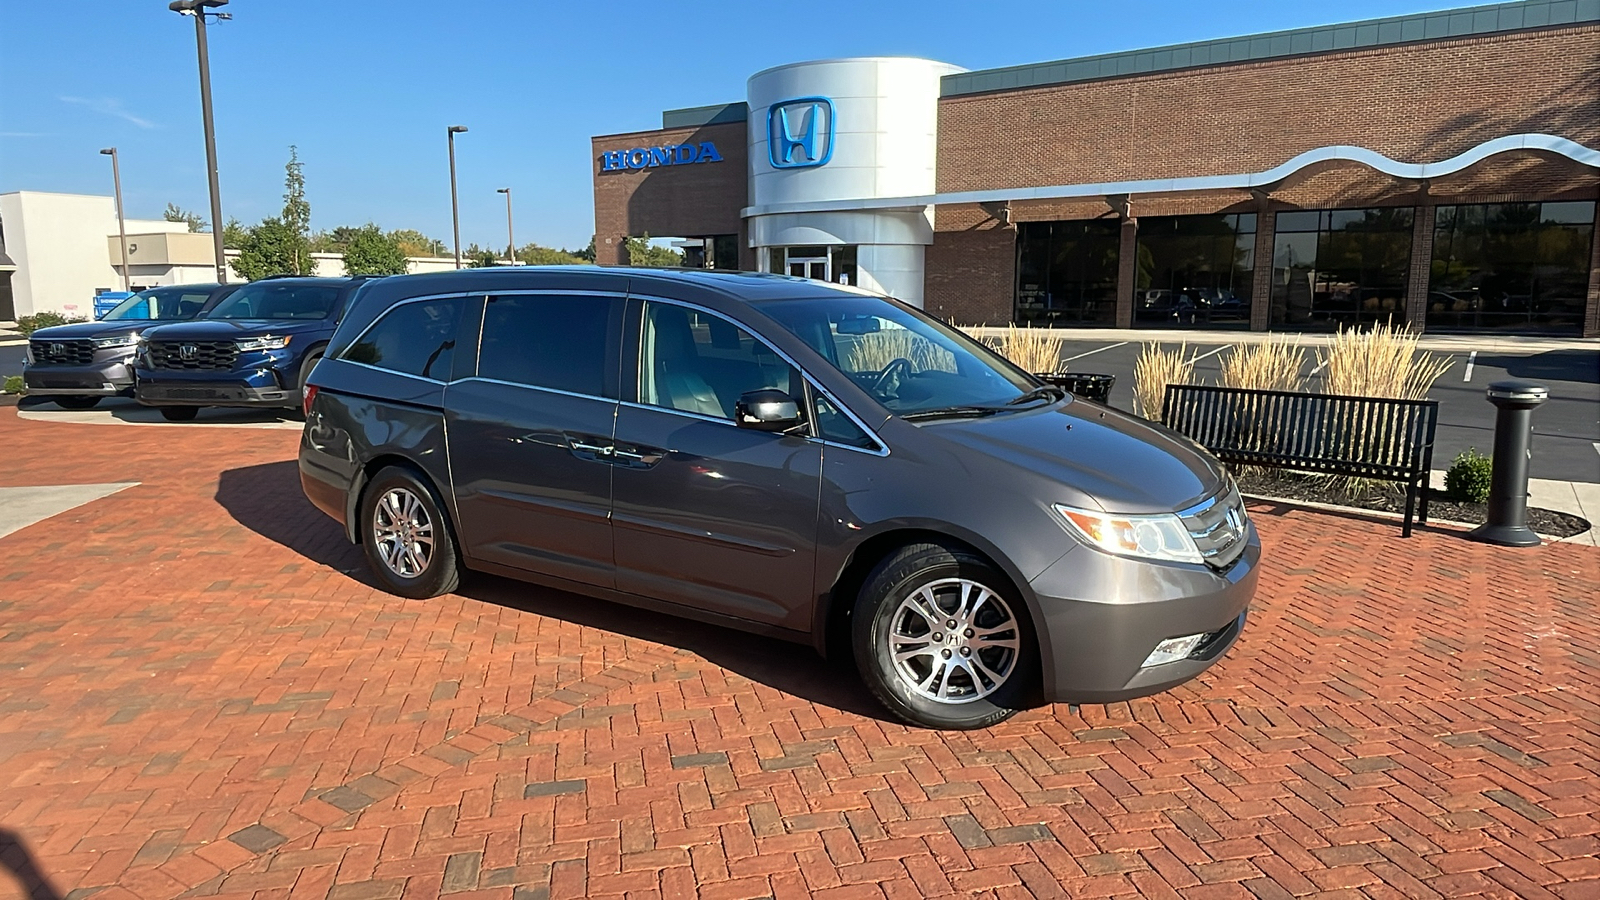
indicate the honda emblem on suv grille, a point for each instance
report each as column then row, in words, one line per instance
column 188, row 351
column 58, row 349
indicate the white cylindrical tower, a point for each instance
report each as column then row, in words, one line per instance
column 843, row 130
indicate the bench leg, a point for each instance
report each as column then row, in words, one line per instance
column 1422, row 510
column 1411, row 500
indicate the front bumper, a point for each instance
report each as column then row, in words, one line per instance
column 255, row 381
column 101, row 379
column 1099, row 616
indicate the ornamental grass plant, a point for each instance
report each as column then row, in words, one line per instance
column 1155, row 369
column 1383, row 362
column 874, row 352
column 1038, row 350
column 1274, row 364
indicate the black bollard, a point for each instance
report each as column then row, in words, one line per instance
column 1508, row 485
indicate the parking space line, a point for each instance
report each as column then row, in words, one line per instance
column 1095, row 350
column 1320, row 366
column 1212, row 353
column 1472, row 359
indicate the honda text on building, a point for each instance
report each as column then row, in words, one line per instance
column 77, row 364
column 253, row 349
column 777, row 454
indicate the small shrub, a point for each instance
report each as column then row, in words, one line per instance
column 13, row 384
column 29, row 324
column 1037, row 350
column 1275, row 364
column 1155, row 369
column 1467, row 480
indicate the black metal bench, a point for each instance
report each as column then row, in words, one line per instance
column 1359, row 437
column 1083, row 384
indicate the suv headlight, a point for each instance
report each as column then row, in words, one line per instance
column 121, row 340
column 1160, row 537
column 267, row 342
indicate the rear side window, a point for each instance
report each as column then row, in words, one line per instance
column 548, row 341
column 417, row 338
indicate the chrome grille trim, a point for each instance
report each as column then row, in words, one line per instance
column 1218, row 526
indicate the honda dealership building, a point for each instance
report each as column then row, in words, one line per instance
column 1439, row 169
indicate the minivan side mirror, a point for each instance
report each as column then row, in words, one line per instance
column 766, row 410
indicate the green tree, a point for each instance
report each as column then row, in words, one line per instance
column 234, row 235
column 479, row 257
column 535, row 255
column 297, row 213
column 642, row 253
column 371, row 252
column 270, row 248
column 196, row 223
column 587, row 253
column 415, row 243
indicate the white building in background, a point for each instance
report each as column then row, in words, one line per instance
column 57, row 251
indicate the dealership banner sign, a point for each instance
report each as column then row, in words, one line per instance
column 653, row 157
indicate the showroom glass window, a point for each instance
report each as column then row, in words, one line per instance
column 416, row 338
column 1335, row 268
column 1067, row 272
column 1195, row 270
column 1511, row 266
column 549, row 341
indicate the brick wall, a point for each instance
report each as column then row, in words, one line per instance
column 971, row 272
column 669, row 201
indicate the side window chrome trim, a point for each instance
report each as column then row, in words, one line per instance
column 535, row 387
column 881, row 450
column 385, row 314
column 395, row 372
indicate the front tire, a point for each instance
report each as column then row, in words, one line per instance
column 406, row 536
column 179, row 413
column 77, row 402
column 978, row 671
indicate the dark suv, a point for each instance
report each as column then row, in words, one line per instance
column 75, row 365
column 253, row 349
column 786, row 456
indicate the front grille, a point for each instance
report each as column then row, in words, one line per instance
column 1218, row 527
column 194, row 354
column 77, row 352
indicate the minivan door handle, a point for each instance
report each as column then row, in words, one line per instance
column 636, row 457
column 591, row 448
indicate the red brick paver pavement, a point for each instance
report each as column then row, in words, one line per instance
column 201, row 695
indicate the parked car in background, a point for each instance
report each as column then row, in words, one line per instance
column 77, row 364
column 786, row 456
column 253, row 349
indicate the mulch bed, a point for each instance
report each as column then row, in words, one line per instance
column 1386, row 497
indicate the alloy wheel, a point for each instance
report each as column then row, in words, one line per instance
column 954, row 641
column 402, row 532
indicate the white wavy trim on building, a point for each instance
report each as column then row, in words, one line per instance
column 1372, row 159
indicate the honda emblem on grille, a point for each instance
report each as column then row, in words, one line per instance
column 188, row 351
column 58, row 349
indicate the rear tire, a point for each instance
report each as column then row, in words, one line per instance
column 179, row 413
column 978, row 673
column 77, row 402
column 407, row 537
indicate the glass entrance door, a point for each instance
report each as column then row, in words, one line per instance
column 810, row 267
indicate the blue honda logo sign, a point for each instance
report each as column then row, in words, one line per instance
column 800, row 132
column 651, row 157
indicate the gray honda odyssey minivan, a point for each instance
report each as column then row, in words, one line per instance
column 785, row 456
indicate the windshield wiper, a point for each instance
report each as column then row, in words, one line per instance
column 952, row 412
column 1042, row 392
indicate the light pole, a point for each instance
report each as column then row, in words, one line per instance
column 122, row 224
column 199, row 9
column 455, row 206
column 511, row 235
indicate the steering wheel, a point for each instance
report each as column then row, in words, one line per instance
column 887, row 384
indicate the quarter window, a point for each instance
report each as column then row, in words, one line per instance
column 548, row 341
column 412, row 338
column 695, row 362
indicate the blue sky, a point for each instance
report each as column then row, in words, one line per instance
column 365, row 89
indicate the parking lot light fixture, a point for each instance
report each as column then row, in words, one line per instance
column 511, row 235
column 122, row 222
column 455, row 205
column 200, row 9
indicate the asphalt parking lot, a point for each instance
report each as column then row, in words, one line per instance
column 1566, row 443
column 203, row 695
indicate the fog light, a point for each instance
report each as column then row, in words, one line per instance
column 1172, row 650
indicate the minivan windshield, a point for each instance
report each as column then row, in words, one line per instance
column 915, row 365
column 278, row 300
column 161, row 304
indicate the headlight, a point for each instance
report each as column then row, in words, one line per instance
column 1160, row 537
column 121, row 340
column 265, row 343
